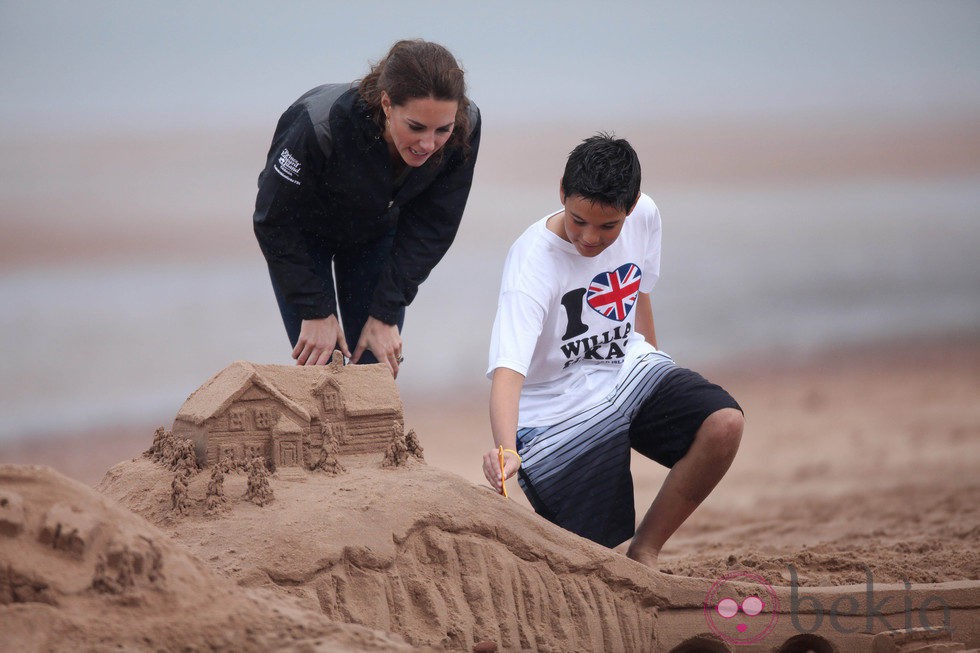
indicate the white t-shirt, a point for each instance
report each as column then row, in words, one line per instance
column 566, row 321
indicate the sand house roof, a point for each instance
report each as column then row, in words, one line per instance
column 226, row 387
column 364, row 388
column 367, row 389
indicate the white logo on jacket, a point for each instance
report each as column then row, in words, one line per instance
column 288, row 167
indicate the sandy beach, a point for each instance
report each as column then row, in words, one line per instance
column 845, row 456
column 169, row 482
column 864, row 456
column 857, row 469
column 857, row 466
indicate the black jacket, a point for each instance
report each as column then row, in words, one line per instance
column 329, row 177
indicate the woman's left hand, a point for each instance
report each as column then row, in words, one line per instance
column 382, row 340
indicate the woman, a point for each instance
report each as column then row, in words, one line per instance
column 366, row 180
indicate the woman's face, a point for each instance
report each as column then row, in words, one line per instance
column 419, row 128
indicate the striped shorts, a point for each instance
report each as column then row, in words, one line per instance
column 577, row 473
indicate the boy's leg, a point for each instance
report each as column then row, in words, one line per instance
column 576, row 473
column 689, row 482
column 686, row 402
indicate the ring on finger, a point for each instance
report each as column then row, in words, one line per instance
column 400, row 359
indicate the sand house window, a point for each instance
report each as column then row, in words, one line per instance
column 254, row 450
column 228, row 452
column 331, row 400
column 236, row 420
column 265, row 418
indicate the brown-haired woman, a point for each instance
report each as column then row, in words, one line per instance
column 366, row 180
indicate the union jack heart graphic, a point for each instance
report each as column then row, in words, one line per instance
column 612, row 294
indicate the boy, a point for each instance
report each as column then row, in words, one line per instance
column 577, row 378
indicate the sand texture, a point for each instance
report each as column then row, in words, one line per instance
column 80, row 572
column 857, row 471
column 411, row 550
column 866, row 459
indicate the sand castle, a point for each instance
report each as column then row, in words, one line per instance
column 259, row 418
column 387, row 555
column 80, row 572
column 291, row 416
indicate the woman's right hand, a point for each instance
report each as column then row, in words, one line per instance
column 317, row 341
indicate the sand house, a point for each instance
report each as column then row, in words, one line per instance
column 288, row 414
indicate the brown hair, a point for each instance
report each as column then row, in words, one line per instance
column 418, row 69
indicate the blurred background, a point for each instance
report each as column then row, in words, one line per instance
column 816, row 166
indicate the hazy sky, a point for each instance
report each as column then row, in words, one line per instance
column 83, row 65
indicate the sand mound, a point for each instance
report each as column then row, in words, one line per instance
column 444, row 563
column 848, row 485
column 333, row 560
column 79, row 572
column 410, row 550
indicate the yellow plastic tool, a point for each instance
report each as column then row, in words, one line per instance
column 503, row 479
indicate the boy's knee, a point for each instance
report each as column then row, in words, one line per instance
column 722, row 432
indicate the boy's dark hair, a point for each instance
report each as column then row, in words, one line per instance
column 605, row 170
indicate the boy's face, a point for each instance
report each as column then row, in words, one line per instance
column 590, row 226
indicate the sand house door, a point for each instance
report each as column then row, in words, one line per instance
column 288, row 454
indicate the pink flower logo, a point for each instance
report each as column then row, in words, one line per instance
column 741, row 608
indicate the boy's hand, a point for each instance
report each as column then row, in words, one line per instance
column 491, row 468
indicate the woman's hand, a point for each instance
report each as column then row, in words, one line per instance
column 491, row 468
column 317, row 341
column 382, row 340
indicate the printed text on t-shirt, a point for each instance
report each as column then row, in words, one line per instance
column 588, row 348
